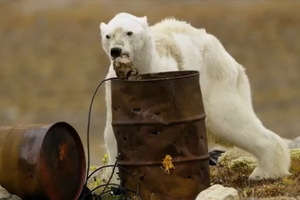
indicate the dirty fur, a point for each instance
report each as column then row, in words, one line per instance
column 175, row 45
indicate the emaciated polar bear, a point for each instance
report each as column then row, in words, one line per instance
column 175, row 45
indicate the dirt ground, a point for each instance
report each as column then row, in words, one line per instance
column 51, row 58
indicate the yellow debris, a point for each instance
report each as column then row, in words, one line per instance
column 105, row 159
column 167, row 164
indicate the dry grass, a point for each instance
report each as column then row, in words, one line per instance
column 235, row 174
column 289, row 187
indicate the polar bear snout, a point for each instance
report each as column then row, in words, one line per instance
column 115, row 52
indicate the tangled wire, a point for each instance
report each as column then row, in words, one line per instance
column 108, row 188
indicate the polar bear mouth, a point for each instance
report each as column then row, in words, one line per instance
column 122, row 55
column 117, row 52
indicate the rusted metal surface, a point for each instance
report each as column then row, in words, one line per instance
column 161, row 114
column 42, row 161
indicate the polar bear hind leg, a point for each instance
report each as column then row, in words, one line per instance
column 230, row 115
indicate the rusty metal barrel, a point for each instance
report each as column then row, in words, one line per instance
column 157, row 115
column 43, row 161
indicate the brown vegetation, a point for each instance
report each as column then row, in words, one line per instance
column 234, row 172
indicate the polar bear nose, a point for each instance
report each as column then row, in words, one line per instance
column 115, row 52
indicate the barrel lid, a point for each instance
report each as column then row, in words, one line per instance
column 62, row 162
column 161, row 76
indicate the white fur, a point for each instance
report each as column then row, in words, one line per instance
column 176, row 45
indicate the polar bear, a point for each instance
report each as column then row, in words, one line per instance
column 175, row 45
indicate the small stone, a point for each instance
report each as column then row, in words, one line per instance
column 218, row 192
column 5, row 195
column 295, row 143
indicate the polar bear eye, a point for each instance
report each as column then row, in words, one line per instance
column 129, row 33
column 107, row 36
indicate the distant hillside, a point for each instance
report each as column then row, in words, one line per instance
column 52, row 60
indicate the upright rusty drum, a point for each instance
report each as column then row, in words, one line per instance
column 44, row 161
column 157, row 115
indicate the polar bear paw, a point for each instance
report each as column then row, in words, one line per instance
column 256, row 175
column 261, row 174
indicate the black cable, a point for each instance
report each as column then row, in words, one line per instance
column 110, row 184
column 88, row 127
column 111, row 175
column 103, row 185
column 114, row 166
column 123, row 168
column 89, row 123
column 126, row 190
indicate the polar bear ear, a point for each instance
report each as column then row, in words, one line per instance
column 144, row 21
column 102, row 27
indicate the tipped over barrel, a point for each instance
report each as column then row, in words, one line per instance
column 42, row 161
column 161, row 116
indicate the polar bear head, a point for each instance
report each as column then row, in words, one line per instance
column 125, row 34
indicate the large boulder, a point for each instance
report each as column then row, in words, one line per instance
column 295, row 143
column 218, row 192
column 238, row 159
column 5, row 195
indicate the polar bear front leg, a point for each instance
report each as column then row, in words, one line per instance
column 109, row 137
column 110, row 143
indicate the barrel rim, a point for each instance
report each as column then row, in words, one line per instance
column 79, row 145
column 162, row 76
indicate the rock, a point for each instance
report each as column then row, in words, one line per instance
column 5, row 195
column 294, row 144
column 218, row 192
column 236, row 158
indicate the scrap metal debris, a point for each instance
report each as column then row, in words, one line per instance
column 167, row 164
column 124, row 68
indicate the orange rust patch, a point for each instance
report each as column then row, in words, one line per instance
column 63, row 148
